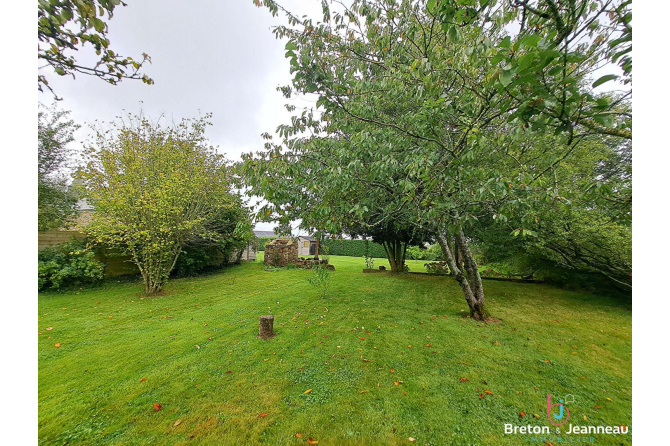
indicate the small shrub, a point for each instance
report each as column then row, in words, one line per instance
column 320, row 279
column 437, row 267
column 68, row 264
column 369, row 262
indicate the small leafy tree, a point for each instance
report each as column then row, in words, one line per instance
column 320, row 279
column 55, row 202
column 154, row 187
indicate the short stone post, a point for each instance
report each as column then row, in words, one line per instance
column 265, row 327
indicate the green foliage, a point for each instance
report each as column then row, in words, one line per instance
column 421, row 253
column 353, row 248
column 69, row 264
column 436, row 116
column 56, row 203
column 549, row 62
column 437, row 267
column 65, row 26
column 320, row 279
column 262, row 241
column 229, row 235
column 156, row 188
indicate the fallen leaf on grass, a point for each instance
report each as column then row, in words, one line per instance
column 391, row 370
column 57, row 344
column 523, row 414
column 49, row 328
column 308, row 391
column 157, row 407
column 597, row 407
column 481, row 395
column 396, row 382
column 412, row 439
column 228, row 372
column 197, row 347
column 536, row 415
column 427, row 345
column 464, row 380
column 310, row 440
column 298, row 435
column 142, row 380
column 362, row 339
column 177, row 423
column 488, row 392
column 263, row 415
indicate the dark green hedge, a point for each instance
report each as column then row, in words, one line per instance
column 350, row 248
column 353, row 248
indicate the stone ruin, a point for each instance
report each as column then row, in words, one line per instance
column 280, row 252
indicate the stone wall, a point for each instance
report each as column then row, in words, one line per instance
column 280, row 252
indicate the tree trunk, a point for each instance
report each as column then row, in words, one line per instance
column 265, row 330
column 395, row 255
column 472, row 271
column 447, row 247
column 473, row 292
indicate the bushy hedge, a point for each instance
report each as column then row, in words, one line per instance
column 68, row 264
column 353, row 248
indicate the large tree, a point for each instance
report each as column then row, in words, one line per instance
column 56, row 202
column 155, row 187
column 65, row 26
column 404, row 95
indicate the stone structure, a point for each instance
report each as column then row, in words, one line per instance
column 280, row 252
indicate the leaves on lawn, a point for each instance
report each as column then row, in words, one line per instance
column 308, row 391
column 488, row 392
column 57, row 344
column 142, row 380
column 49, row 328
column 176, row 423
column 263, row 415
column 298, row 435
column 464, row 380
column 157, row 407
column 522, row 414
column 310, row 440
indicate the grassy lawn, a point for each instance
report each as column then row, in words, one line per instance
column 381, row 359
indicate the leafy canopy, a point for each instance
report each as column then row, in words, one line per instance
column 155, row 187
column 65, row 26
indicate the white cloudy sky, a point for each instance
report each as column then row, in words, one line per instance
column 208, row 56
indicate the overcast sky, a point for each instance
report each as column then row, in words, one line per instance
column 208, row 56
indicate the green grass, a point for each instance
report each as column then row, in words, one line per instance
column 548, row 341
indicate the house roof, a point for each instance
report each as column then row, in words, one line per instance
column 265, row 234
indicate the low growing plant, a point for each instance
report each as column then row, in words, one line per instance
column 320, row 279
column 69, row 264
